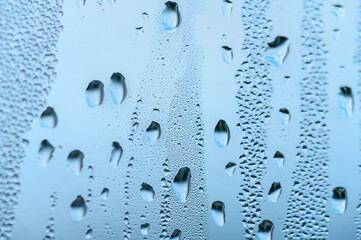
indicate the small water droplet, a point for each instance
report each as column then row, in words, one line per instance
column 279, row 159
column 144, row 228
column 139, row 31
column 345, row 101
column 153, row 132
column 89, row 234
column 147, row 192
column 182, row 183
column 227, row 8
column 94, row 93
column 338, row 10
column 227, row 54
column 221, row 134
column 274, row 192
column 80, row 3
column 145, row 16
column 46, row 151
column 218, row 213
column 277, row 50
column 118, row 88
column 284, row 116
column 176, row 235
column 229, row 169
column 265, row 229
column 117, row 152
column 170, row 17
column 104, row 194
column 74, row 162
column 339, row 200
column 78, row 208
column 48, row 118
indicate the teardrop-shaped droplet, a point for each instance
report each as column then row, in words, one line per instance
column 89, row 234
column 227, row 54
column 229, row 169
column 265, row 229
column 48, row 119
column 118, row 88
column 74, row 162
column 176, row 235
column 182, row 183
column 339, row 200
column 46, row 151
column 117, row 152
column 78, row 208
column 221, row 134
column 144, row 229
column 94, row 93
column 279, row 159
column 277, row 50
column 218, row 213
column 170, row 17
column 274, row 192
column 147, row 192
column 284, row 116
column 153, row 132
column 345, row 101
column 227, row 8
column 104, row 194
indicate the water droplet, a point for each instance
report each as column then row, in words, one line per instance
column 117, row 152
column 170, row 17
column 89, row 234
column 339, row 200
column 118, row 88
column 284, row 116
column 338, row 10
column 274, row 192
column 182, row 183
column 176, row 235
column 104, row 194
column 265, row 229
column 345, row 101
column 227, row 54
column 144, row 228
column 221, row 134
column 277, row 50
column 94, row 93
column 227, row 8
column 74, row 162
column 139, row 31
column 145, row 16
column 48, row 118
column 46, row 151
column 279, row 159
column 153, row 132
column 218, row 213
column 147, row 192
column 229, row 169
column 80, row 3
column 78, row 208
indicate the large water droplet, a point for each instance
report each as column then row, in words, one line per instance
column 279, row 159
column 170, row 17
column 339, row 200
column 147, row 192
column 182, row 183
column 229, row 169
column 74, row 162
column 78, row 208
column 265, row 229
column 227, row 54
column 345, row 101
column 227, row 8
column 144, row 228
column 46, row 151
column 277, row 50
column 153, row 132
column 118, row 88
column 218, row 213
column 176, row 235
column 221, row 134
column 274, row 192
column 117, row 152
column 48, row 119
column 284, row 116
column 94, row 93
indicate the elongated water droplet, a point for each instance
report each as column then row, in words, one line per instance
column 153, row 132
column 176, row 235
column 94, row 93
column 227, row 54
column 48, row 119
column 170, row 17
column 345, row 101
column 279, row 159
column 117, row 152
column 144, row 228
column 274, row 192
column 118, row 88
column 221, row 134
column 89, row 234
column 338, row 10
column 147, row 192
column 284, row 116
column 46, row 151
column 74, row 162
column 218, row 213
column 104, row 194
column 78, row 208
column 227, row 8
column 339, row 200
column 265, row 229
column 182, row 183
column 277, row 50
column 229, row 169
